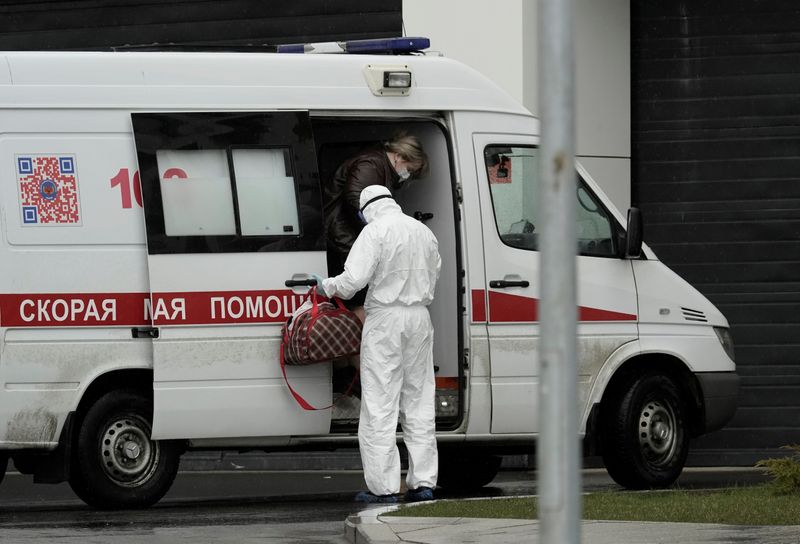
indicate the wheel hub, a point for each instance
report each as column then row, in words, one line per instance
column 128, row 455
column 657, row 428
column 660, row 431
column 132, row 450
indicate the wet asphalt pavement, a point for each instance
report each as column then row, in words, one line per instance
column 244, row 506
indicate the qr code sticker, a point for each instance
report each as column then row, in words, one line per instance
column 48, row 189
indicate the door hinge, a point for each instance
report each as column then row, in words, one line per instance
column 466, row 358
column 459, row 193
column 144, row 332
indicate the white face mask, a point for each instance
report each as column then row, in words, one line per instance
column 404, row 174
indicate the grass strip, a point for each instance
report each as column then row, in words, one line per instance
column 757, row 505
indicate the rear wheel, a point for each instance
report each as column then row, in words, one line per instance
column 645, row 437
column 116, row 464
column 3, row 465
column 467, row 473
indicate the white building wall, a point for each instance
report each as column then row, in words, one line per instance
column 499, row 39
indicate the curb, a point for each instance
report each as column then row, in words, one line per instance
column 365, row 527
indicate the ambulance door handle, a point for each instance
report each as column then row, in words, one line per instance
column 423, row 217
column 502, row 284
column 310, row 282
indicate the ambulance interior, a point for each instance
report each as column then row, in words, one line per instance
column 432, row 199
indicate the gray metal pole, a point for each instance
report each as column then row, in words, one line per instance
column 559, row 448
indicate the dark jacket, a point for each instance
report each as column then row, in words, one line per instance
column 342, row 194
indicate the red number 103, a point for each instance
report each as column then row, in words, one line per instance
column 124, row 182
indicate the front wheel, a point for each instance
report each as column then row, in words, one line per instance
column 645, row 438
column 116, row 464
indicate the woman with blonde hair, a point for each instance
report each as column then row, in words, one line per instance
column 391, row 165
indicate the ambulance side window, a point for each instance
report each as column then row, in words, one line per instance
column 594, row 226
column 196, row 192
column 513, row 173
column 265, row 192
column 229, row 182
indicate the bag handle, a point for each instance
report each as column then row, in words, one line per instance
column 315, row 296
column 297, row 397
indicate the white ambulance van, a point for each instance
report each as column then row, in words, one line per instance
column 160, row 213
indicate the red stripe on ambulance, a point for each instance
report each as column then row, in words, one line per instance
column 72, row 309
column 205, row 308
column 507, row 308
column 137, row 309
column 478, row 305
column 221, row 307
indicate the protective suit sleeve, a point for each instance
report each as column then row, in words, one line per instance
column 358, row 269
column 438, row 264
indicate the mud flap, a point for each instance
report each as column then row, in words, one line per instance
column 53, row 467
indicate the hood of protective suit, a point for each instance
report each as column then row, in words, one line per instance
column 379, row 207
column 396, row 255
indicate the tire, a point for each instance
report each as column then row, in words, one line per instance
column 115, row 463
column 3, row 466
column 24, row 464
column 645, row 435
column 467, row 473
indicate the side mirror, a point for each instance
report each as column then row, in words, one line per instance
column 633, row 236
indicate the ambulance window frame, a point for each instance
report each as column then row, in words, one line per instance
column 616, row 228
column 371, row 128
column 228, row 131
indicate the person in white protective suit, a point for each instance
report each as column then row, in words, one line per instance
column 398, row 257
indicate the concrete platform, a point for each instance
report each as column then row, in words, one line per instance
column 371, row 526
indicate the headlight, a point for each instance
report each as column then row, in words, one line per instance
column 726, row 340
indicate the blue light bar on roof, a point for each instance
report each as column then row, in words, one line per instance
column 390, row 46
column 292, row 48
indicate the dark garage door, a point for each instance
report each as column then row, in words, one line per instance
column 90, row 24
column 716, row 171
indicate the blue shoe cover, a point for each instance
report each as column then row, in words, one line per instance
column 367, row 496
column 419, row 494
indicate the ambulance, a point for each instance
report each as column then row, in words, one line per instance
column 161, row 214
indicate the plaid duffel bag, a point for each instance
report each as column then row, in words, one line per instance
column 321, row 332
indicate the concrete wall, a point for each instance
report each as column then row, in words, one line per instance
column 499, row 39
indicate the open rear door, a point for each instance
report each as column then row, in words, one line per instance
column 233, row 209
